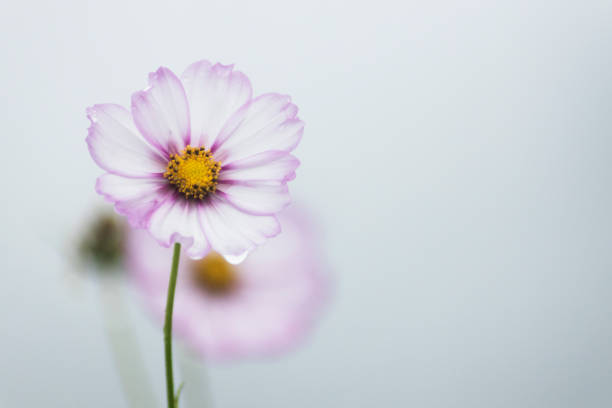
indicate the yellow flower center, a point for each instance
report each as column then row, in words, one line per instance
column 193, row 172
column 214, row 274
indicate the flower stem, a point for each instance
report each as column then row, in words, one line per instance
column 168, row 326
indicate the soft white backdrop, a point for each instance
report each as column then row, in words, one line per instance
column 457, row 153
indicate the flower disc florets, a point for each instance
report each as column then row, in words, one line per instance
column 214, row 274
column 193, row 172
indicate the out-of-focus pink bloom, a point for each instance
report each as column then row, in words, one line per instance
column 197, row 159
column 263, row 306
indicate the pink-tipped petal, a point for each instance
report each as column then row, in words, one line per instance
column 134, row 198
column 268, row 122
column 256, row 198
column 215, row 93
column 276, row 166
column 161, row 112
column 233, row 233
column 176, row 220
column 115, row 146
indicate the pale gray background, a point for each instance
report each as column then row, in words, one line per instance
column 457, row 152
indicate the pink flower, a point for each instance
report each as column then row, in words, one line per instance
column 262, row 306
column 197, row 160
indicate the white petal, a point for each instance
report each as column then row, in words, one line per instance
column 267, row 166
column 256, row 198
column 161, row 112
column 269, row 122
column 134, row 198
column 176, row 220
column 231, row 232
column 115, row 145
column 215, row 93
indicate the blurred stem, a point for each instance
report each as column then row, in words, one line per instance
column 194, row 373
column 124, row 345
column 168, row 326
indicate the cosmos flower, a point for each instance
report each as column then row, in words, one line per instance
column 198, row 160
column 263, row 306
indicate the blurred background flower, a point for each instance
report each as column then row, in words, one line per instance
column 263, row 306
column 102, row 241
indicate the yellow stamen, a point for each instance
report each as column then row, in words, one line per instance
column 214, row 274
column 193, row 172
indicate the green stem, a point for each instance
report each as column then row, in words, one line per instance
column 168, row 325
